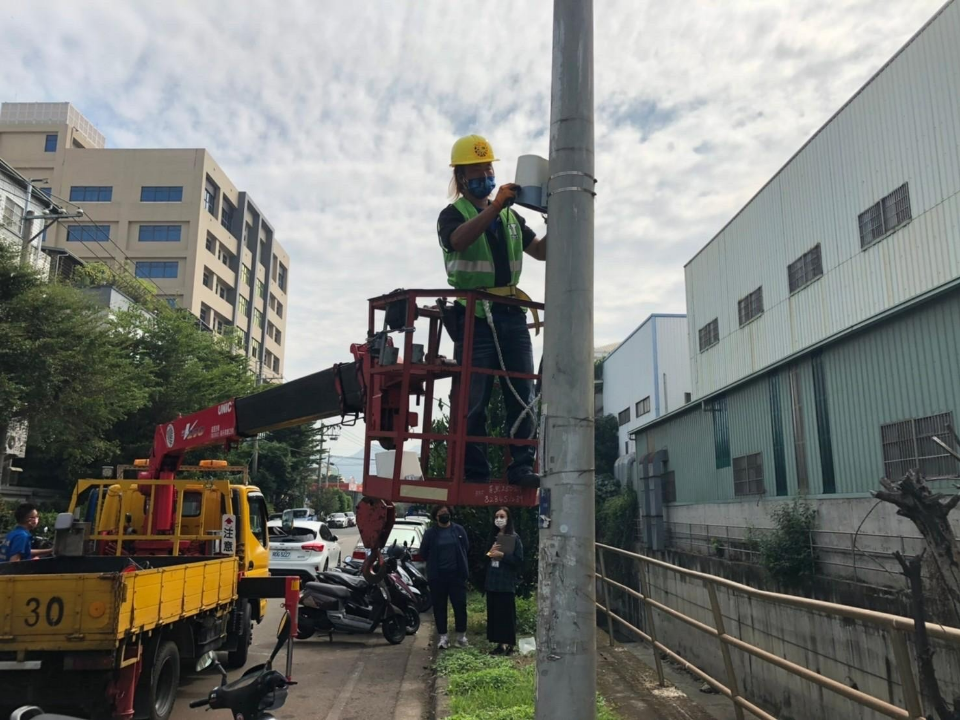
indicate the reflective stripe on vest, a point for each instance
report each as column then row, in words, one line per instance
column 474, row 267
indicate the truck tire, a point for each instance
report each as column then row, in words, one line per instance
column 238, row 658
column 164, row 681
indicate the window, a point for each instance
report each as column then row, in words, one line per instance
column 50, row 144
column 643, row 407
column 226, row 215
column 12, row 215
column 805, row 269
column 750, row 306
column 884, row 217
column 159, row 233
column 721, row 433
column 210, row 192
column 91, row 193
column 248, row 237
column 211, row 244
column 276, row 336
column 687, row 397
column 623, row 417
column 219, row 326
column 273, row 302
column 88, row 233
column 258, row 318
column 241, row 337
column 172, row 302
column 263, row 253
column 282, row 277
column 270, row 329
column 799, row 434
column 161, row 193
column 245, row 274
column 157, row 269
column 222, row 291
column 908, row 445
column 748, row 475
column 255, row 349
column 668, row 487
column 226, row 257
column 268, row 358
column 192, row 502
column 208, row 279
column 244, row 305
column 258, row 518
column 274, row 267
column 279, row 309
column 204, row 313
column 709, row 334
column 276, row 364
column 261, row 288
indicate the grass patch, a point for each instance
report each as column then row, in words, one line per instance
column 492, row 687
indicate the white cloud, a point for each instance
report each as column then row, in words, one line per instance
column 338, row 119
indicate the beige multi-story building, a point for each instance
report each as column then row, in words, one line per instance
column 171, row 217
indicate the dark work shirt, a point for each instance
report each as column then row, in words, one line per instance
column 447, row 550
column 451, row 218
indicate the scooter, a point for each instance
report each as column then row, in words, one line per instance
column 354, row 607
column 252, row 695
column 408, row 571
column 402, row 595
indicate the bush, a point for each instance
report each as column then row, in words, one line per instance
column 526, row 616
column 787, row 552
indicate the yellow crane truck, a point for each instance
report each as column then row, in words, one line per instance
column 102, row 627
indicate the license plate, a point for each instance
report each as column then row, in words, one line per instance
column 281, row 553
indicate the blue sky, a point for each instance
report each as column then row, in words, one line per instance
column 338, row 118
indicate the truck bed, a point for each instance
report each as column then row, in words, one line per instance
column 92, row 603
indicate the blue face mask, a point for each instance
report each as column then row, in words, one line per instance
column 481, row 187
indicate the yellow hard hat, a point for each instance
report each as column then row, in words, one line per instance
column 471, row 150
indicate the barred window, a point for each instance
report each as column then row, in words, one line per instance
column 624, row 416
column 748, row 475
column 885, row 216
column 709, row 335
column 750, row 306
column 805, row 269
column 909, row 445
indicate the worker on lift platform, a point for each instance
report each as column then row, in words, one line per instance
column 483, row 243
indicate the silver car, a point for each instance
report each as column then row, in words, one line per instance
column 338, row 520
column 303, row 550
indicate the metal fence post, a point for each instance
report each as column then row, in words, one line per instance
column 651, row 629
column 721, row 633
column 905, row 668
column 606, row 596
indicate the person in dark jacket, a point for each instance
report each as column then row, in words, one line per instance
column 444, row 547
column 506, row 560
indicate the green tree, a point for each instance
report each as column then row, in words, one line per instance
column 606, row 444
column 67, row 367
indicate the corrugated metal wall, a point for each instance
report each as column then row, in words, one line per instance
column 903, row 127
column 906, row 367
column 674, row 361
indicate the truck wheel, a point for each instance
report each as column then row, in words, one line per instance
column 238, row 658
column 164, row 680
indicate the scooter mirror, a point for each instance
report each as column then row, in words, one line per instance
column 206, row 660
column 283, row 634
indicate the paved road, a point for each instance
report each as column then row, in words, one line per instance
column 355, row 677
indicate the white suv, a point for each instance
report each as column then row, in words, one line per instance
column 309, row 548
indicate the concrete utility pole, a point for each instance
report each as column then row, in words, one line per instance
column 566, row 624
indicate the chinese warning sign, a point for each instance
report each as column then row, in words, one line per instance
column 228, row 534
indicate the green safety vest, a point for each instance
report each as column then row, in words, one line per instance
column 473, row 268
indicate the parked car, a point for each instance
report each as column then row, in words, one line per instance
column 351, row 518
column 306, row 549
column 304, row 514
column 338, row 520
column 409, row 533
column 275, row 516
column 417, row 520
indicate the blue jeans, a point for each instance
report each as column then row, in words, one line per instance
column 517, row 352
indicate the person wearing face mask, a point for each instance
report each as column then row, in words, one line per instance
column 506, row 559
column 483, row 243
column 444, row 547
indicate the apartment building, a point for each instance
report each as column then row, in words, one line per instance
column 171, row 217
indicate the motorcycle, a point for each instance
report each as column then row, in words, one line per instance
column 350, row 605
column 252, row 695
column 249, row 697
column 415, row 579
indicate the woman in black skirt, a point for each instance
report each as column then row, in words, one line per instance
column 503, row 571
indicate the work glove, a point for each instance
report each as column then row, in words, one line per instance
column 506, row 195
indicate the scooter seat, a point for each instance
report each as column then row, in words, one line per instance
column 332, row 578
column 337, row 591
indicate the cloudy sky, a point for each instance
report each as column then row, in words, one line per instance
column 338, row 118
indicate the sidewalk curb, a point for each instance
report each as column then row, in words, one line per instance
column 414, row 701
